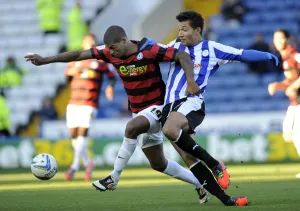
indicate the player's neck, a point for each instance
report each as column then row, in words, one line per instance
column 195, row 41
column 132, row 48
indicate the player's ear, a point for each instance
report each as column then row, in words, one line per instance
column 198, row 30
column 123, row 40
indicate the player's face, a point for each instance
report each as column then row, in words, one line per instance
column 118, row 50
column 280, row 41
column 187, row 35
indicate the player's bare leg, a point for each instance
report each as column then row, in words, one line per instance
column 159, row 163
column 140, row 125
column 175, row 129
column 188, row 159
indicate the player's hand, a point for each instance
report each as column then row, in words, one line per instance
column 109, row 92
column 35, row 59
column 274, row 59
column 291, row 92
column 272, row 88
column 192, row 88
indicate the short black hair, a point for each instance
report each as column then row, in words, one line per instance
column 285, row 32
column 114, row 34
column 195, row 18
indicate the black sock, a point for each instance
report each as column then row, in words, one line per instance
column 205, row 177
column 187, row 144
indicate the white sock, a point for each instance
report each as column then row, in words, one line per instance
column 177, row 171
column 84, row 153
column 78, row 147
column 124, row 154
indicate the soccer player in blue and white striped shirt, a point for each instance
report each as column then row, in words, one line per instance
column 183, row 113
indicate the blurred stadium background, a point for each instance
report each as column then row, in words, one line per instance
column 243, row 122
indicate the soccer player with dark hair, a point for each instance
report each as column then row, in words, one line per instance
column 291, row 85
column 137, row 64
column 85, row 78
column 183, row 113
column 138, row 67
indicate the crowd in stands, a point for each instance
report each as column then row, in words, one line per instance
column 233, row 15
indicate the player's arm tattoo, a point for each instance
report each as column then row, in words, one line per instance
column 70, row 56
column 187, row 65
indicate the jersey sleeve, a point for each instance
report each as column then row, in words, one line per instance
column 99, row 53
column 226, row 54
column 170, row 44
column 163, row 53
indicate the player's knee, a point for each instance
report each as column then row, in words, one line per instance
column 170, row 132
column 73, row 136
column 130, row 131
column 158, row 165
column 133, row 129
column 136, row 127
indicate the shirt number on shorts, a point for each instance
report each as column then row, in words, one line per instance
column 156, row 112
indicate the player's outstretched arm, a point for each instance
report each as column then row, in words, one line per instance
column 249, row 56
column 62, row 57
column 226, row 54
column 187, row 65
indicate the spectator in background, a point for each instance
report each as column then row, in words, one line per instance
column 50, row 15
column 260, row 45
column 77, row 28
column 208, row 33
column 86, row 79
column 48, row 111
column 11, row 75
column 233, row 11
column 4, row 117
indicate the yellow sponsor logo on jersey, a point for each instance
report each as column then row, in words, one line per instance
column 132, row 70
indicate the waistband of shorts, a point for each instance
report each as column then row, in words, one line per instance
column 182, row 100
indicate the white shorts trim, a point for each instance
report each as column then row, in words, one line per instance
column 80, row 115
column 191, row 104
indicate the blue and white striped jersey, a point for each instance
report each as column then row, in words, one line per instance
column 207, row 56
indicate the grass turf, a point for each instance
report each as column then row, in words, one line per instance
column 269, row 187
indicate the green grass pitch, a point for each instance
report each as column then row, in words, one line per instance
column 270, row 187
